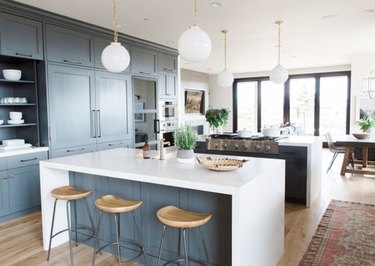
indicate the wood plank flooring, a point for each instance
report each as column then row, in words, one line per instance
column 21, row 239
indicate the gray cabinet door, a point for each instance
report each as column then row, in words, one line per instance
column 167, row 85
column 167, row 63
column 24, row 188
column 71, row 106
column 68, row 46
column 100, row 44
column 4, row 195
column 143, row 61
column 112, row 106
column 21, row 37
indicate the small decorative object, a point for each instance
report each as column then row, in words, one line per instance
column 366, row 123
column 279, row 74
column 361, row 135
column 185, row 139
column 221, row 164
column 217, row 118
column 146, row 151
column 194, row 44
column 115, row 57
column 225, row 78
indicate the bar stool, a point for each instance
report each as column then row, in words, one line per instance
column 116, row 205
column 69, row 194
column 181, row 219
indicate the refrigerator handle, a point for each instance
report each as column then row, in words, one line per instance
column 156, row 126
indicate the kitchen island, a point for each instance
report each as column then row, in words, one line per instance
column 252, row 196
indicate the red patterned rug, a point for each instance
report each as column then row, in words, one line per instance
column 345, row 236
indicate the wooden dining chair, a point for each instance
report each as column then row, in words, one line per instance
column 334, row 149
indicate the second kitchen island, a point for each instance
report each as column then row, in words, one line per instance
column 247, row 204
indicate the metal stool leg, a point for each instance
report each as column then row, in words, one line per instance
column 53, row 222
column 204, row 244
column 75, row 222
column 140, row 236
column 97, row 237
column 89, row 213
column 117, row 227
column 69, row 232
column 185, row 247
column 161, row 244
column 332, row 161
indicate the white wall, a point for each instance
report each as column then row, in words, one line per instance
column 193, row 80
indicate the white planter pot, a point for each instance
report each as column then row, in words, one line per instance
column 185, row 156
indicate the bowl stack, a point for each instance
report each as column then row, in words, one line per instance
column 15, row 118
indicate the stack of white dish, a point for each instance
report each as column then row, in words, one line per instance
column 13, row 144
column 15, row 118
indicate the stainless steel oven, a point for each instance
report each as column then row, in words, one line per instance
column 168, row 110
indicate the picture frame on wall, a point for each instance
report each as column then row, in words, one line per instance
column 194, row 101
column 364, row 106
column 139, row 117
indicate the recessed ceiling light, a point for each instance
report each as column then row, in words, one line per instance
column 369, row 11
column 330, row 16
column 146, row 19
column 216, row 4
column 171, row 42
column 120, row 25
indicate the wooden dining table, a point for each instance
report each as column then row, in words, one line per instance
column 363, row 166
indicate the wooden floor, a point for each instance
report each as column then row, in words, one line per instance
column 21, row 239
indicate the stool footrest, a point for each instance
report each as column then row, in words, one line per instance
column 140, row 252
column 182, row 259
column 83, row 227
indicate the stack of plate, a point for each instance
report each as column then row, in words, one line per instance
column 14, row 144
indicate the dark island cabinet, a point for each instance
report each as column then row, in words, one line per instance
column 69, row 46
column 143, row 61
column 167, row 63
column 21, row 37
column 167, row 85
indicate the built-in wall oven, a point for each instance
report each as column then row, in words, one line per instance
column 167, row 110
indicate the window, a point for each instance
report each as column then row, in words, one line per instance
column 318, row 103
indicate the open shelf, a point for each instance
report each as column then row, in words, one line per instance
column 17, row 104
column 17, row 81
column 19, row 125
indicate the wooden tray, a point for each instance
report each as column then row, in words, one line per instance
column 221, row 164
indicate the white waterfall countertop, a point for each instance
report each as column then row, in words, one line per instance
column 257, row 190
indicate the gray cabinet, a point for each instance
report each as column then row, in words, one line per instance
column 143, row 61
column 21, row 37
column 69, row 46
column 167, row 63
column 113, row 93
column 100, row 44
column 4, row 195
column 113, row 144
column 55, row 153
column 71, row 106
column 167, row 85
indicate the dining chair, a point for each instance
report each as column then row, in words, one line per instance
column 334, row 149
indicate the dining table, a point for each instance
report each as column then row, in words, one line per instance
column 363, row 166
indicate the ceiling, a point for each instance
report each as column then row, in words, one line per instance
column 315, row 33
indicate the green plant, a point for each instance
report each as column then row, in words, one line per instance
column 217, row 117
column 367, row 122
column 185, row 138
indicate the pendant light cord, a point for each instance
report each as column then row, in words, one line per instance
column 225, row 49
column 196, row 11
column 114, row 21
column 279, row 40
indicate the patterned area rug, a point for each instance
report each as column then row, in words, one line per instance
column 345, row 236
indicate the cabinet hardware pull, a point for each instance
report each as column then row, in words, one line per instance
column 73, row 62
column 169, row 70
column 114, row 144
column 10, row 176
column 28, row 160
column 21, row 54
column 156, row 126
column 5, row 177
column 74, row 150
column 99, row 124
column 93, row 124
column 146, row 73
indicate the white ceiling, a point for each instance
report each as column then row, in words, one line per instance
column 308, row 39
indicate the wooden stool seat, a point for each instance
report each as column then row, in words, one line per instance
column 115, row 204
column 178, row 218
column 69, row 193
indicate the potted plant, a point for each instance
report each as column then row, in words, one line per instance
column 366, row 123
column 217, row 118
column 185, row 139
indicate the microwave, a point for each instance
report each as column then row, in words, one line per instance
column 168, row 110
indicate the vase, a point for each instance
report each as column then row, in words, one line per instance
column 185, row 156
column 216, row 130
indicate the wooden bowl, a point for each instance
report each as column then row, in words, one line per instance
column 361, row 135
column 221, row 164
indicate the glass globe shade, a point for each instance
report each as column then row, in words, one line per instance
column 115, row 57
column 194, row 45
column 225, row 79
column 279, row 74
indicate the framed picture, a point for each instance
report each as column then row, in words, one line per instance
column 364, row 106
column 139, row 117
column 194, row 101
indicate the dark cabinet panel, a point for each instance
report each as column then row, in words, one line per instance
column 21, row 37
column 71, row 106
column 143, row 61
column 4, row 195
column 167, row 63
column 167, row 85
column 68, row 46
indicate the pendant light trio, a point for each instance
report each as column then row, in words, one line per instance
column 194, row 45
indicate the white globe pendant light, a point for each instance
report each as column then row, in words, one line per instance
column 194, row 44
column 225, row 78
column 115, row 57
column 279, row 74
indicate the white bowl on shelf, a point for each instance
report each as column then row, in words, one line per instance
column 15, row 115
column 12, row 74
column 1, row 122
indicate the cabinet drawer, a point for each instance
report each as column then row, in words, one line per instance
column 112, row 145
column 72, row 151
column 26, row 159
